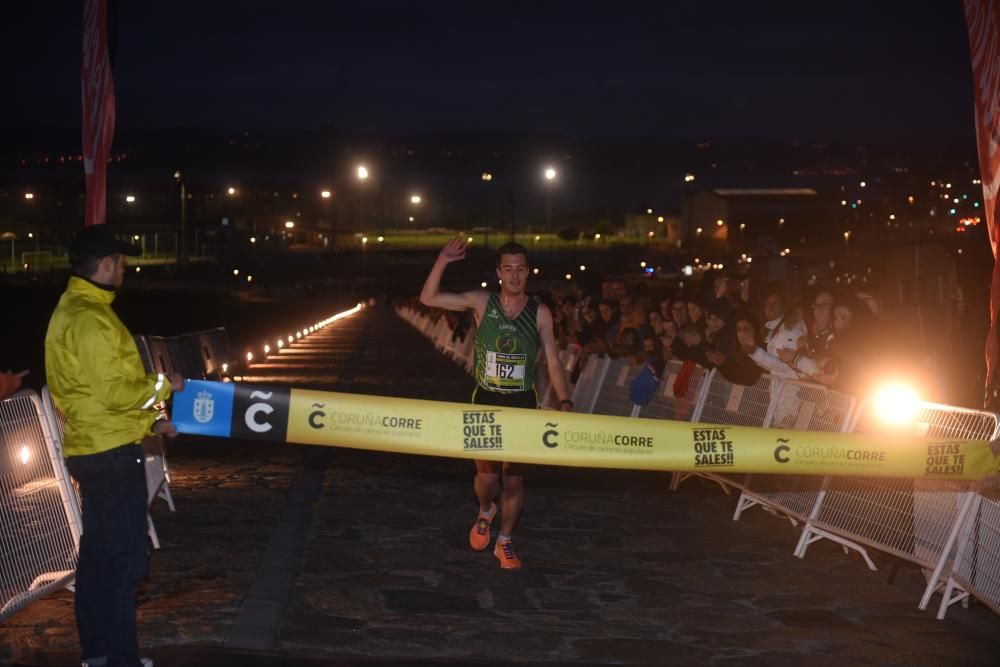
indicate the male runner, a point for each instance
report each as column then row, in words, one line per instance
column 510, row 326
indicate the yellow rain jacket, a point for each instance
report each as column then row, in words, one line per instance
column 95, row 374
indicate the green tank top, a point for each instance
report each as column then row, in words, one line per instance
column 507, row 350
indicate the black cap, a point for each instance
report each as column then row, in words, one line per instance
column 97, row 241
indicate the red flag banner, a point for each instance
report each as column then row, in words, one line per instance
column 983, row 18
column 98, row 108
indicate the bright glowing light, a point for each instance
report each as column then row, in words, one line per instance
column 550, row 173
column 688, row 178
column 487, row 176
column 719, row 222
column 688, row 270
column 325, row 194
column 298, row 334
column 249, row 356
column 698, row 231
column 649, row 211
column 535, row 271
column 896, row 403
column 583, row 267
column 411, row 218
column 863, row 184
column 483, row 284
column 847, row 235
column 468, row 240
column 25, row 455
column 267, row 348
column 651, row 234
column 231, row 191
column 892, row 216
column 29, row 195
column 569, row 276
column 249, row 279
column 289, row 224
column 659, row 218
column 290, row 339
column 537, row 238
column 743, row 226
column 415, row 199
column 362, row 172
column 236, row 272
column 597, row 237
column 253, row 239
column 130, row 199
column 364, row 240
column 138, row 269
column 280, row 343
column 642, row 265
column 225, row 368
column 380, row 239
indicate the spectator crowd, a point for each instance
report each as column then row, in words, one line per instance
column 834, row 337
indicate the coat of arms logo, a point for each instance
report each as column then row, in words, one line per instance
column 204, row 407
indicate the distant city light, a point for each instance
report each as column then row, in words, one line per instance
column 863, row 184
column 535, row 271
column 597, row 237
column 138, row 269
column 414, row 199
column 280, row 343
column 583, row 267
column 688, row 178
column 236, row 272
column 487, row 176
column 642, row 265
column 659, row 218
column 569, row 276
column 231, row 191
column 364, row 240
column 289, row 224
column 719, row 222
column 537, row 238
column 325, row 194
column 550, row 173
column 381, row 238
column 362, row 172
column 249, row 279
column 29, row 195
column 253, row 239
column 483, row 284
column 651, row 234
column 411, row 218
column 130, row 199
column 649, row 211
column 249, row 356
column 267, row 348
column 698, row 231
column 743, row 226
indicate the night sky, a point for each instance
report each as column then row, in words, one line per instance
column 850, row 71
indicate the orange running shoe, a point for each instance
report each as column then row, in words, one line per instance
column 504, row 551
column 479, row 536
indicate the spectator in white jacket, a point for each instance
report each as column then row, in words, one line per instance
column 784, row 329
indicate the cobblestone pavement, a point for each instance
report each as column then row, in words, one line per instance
column 374, row 568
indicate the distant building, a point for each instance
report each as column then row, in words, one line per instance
column 759, row 219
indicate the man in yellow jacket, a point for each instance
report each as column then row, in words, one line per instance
column 97, row 381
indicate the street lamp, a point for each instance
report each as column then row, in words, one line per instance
column 183, row 235
column 10, row 236
column 550, row 176
column 362, row 177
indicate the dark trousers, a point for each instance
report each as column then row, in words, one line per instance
column 112, row 552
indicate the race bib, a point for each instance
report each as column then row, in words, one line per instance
column 505, row 372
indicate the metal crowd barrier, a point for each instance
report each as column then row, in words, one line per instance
column 917, row 520
column 947, row 528
column 39, row 509
column 802, row 407
column 975, row 570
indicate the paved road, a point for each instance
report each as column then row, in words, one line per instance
column 289, row 555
